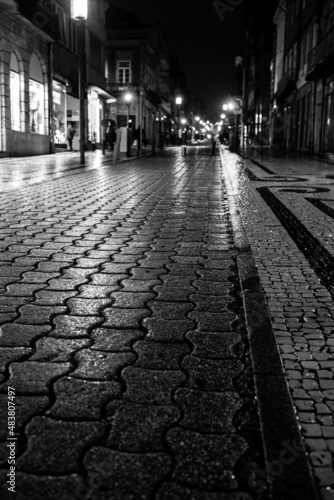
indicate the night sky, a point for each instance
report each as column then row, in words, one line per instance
column 205, row 45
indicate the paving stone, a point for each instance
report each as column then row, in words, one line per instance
column 10, row 354
column 212, row 322
column 108, row 339
column 81, row 399
column 99, row 365
column 53, row 298
column 14, row 335
column 78, row 273
column 35, row 487
column 205, row 461
column 38, row 315
column 177, row 282
column 23, row 290
column 213, row 303
column 139, row 428
column 64, row 284
column 107, row 279
column 96, row 291
column 67, row 440
column 30, row 377
column 324, row 476
column 209, row 374
column 126, row 476
column 212, row 287
column 175, row 491
column 214, row 345
column 216, row 275
column 57, row 350
column 131, row 299
column 74, row 326
column 170, row 310
column 26, row 407
column 87, row 307
column 150, row 386
column 182, row 270
column 38, row 277
column 143, row 274
column 208, row 413
column 124, row 318
column 130, row 285
column 167, row 330
column 159, row 355
column 173, row 294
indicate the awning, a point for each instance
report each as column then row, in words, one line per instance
column 103, row 93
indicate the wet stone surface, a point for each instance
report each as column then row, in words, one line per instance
column 120, row 333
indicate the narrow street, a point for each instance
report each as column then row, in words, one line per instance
column 167, row 326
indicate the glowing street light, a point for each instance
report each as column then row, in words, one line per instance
column 79, row 9
column 222, row 116
column 128, row 98
column 197, row 118
column 183, row 121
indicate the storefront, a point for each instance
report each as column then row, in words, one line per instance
column 36, row 97
column 94, row 116
column 73, row 118
column 59, row 114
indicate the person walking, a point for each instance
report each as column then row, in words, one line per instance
column 70, row 134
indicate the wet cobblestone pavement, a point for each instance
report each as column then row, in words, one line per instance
column 286, row 206
column 123, row 338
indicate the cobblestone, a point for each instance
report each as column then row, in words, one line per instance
column 67, row 440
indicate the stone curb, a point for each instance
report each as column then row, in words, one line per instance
column 285, row 455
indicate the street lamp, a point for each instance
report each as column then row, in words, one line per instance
column 80, row 13
column 178, row 102
column 128, row 99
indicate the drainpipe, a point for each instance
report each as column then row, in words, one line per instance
column 51, row 131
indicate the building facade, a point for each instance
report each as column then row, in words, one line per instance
column 39, row 76
column 138, row 64
column 293, row 99
column 320, row 74
column 25, row 80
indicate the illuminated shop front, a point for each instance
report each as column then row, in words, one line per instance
column 94, row 118
column 15, row 108
column 36, row 97
column 59, row 114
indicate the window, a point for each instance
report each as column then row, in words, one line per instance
column 15, row 93
column 124, row 72
column 36, row 96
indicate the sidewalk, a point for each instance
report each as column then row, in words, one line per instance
column 19, row 171
column 286, row 207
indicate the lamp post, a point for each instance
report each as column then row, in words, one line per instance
column 178, row 102
column 128, row 99
column 79, row 13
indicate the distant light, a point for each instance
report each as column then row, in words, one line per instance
column 230, row 106
column 225, row 107
column 128, row 97
column 223, row 116
column 178, row 100
column 183, row 121
column 197, row 118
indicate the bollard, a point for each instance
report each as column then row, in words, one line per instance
column 184, row 150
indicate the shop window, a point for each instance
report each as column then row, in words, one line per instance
column 36, row 96
column 15, row 107
column 59, row 113
column 124, row 72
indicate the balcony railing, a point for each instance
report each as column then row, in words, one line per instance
column 321, row 52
